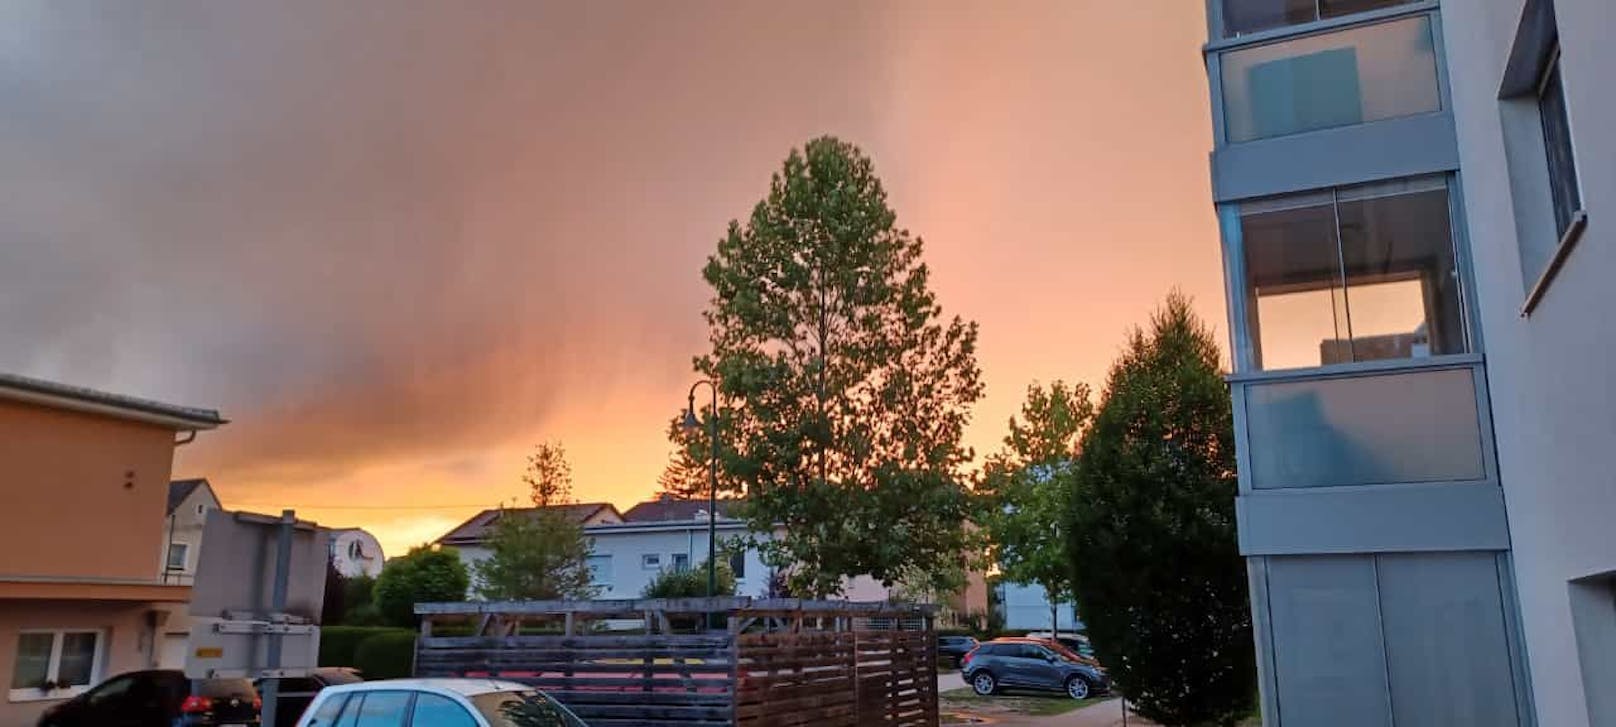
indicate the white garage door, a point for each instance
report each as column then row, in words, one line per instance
column 173, row 653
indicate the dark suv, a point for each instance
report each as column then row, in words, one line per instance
column 158, row 698
column 954, row 648
column 1025, row 665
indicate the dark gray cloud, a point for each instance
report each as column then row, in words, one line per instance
column 365, row 227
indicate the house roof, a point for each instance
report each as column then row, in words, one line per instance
column 178, row 490
column 78, row 398
column 476, row 529
column 666, row 510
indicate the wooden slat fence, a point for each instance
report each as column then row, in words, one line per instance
column 778, row 664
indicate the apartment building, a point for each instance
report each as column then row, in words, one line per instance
column 84, row 485
column 1411, row 196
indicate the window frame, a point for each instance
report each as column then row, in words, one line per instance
column 650, row 561
column 1244, row 343
column 1567, row 236
column 680, row 562
column 54, row 664
column 185, row 557
column 1222, row 40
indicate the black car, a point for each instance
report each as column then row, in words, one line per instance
column 158, row 698
column 954, row 648
column 296, row 693
column 1027, row 665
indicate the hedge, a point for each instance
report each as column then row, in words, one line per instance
column 339, row 645
column 386, row 656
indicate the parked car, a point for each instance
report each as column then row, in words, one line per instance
column 295, row 694
column 159, row 698
column 1025, row 664
column 1076, row 642
column 954, row 648
column 439, row 703
column 1061, row 645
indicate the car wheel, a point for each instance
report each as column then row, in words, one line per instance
column 984, row 684
column 1078, row 688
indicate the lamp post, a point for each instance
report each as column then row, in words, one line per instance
column 691, row 425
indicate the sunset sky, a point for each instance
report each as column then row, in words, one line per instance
column 398, row 243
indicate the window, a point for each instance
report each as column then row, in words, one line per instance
column 1537, row 134
column 681, row 562
column 1249, row 16
column 383, row 709
column 1563, row 185
column 651, row 561
column 1352, row 274
column 177, row 555
column 55, row 664
column 1353, row 76
column 201, row 509
column 328, row 711
column 737, row 564
column 440, row 711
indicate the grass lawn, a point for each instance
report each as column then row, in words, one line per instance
column 1012, row 703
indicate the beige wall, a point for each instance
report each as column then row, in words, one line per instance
column 127, row 640
column 81, row 495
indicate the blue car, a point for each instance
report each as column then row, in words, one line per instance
column 998, row 665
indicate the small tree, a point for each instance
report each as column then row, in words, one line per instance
column 1152, row 532
column 846, row 388
column 1027, row 488
column 535, row 555
column 538, row 554
column 424, row 575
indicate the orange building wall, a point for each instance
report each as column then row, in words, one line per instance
column 81, row 496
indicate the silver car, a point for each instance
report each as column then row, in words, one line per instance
column 437, row 703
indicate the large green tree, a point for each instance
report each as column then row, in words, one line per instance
column 424, row 575
column 845, row 387
column 1027, row 488
column 540, row 553
column 1152, row 531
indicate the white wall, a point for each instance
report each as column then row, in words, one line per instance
column 1027, row 607
column 1552, row 375
column 627, row 545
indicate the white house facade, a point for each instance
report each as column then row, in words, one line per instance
column 1415, row 200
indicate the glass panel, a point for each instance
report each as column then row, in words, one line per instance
column 1338, row 8
column 328, row 711
column 681, row 562
column 737, row 564
column 32, row 665
column 1365, row 430
column 1351, row 76
column 1557, row 145
column 438, row 711
column 1293, row 271
column 1328, row 660
column 176, row 556
column 77, row 666
column 383, row 709
column 1445, row 645
column 1402, row 283
column 1249, row 16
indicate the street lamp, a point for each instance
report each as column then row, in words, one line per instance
column 690, row 425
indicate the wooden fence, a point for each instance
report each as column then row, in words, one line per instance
column 773, row 662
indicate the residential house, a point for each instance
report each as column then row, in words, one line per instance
column 1415, row 200
column 189, row 502
column 84, row 482
column 355, row 552
column 632, row 547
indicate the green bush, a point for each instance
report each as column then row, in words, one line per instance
column 386, row 655
column 339, row 644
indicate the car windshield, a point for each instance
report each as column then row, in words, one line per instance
column 526, row 708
